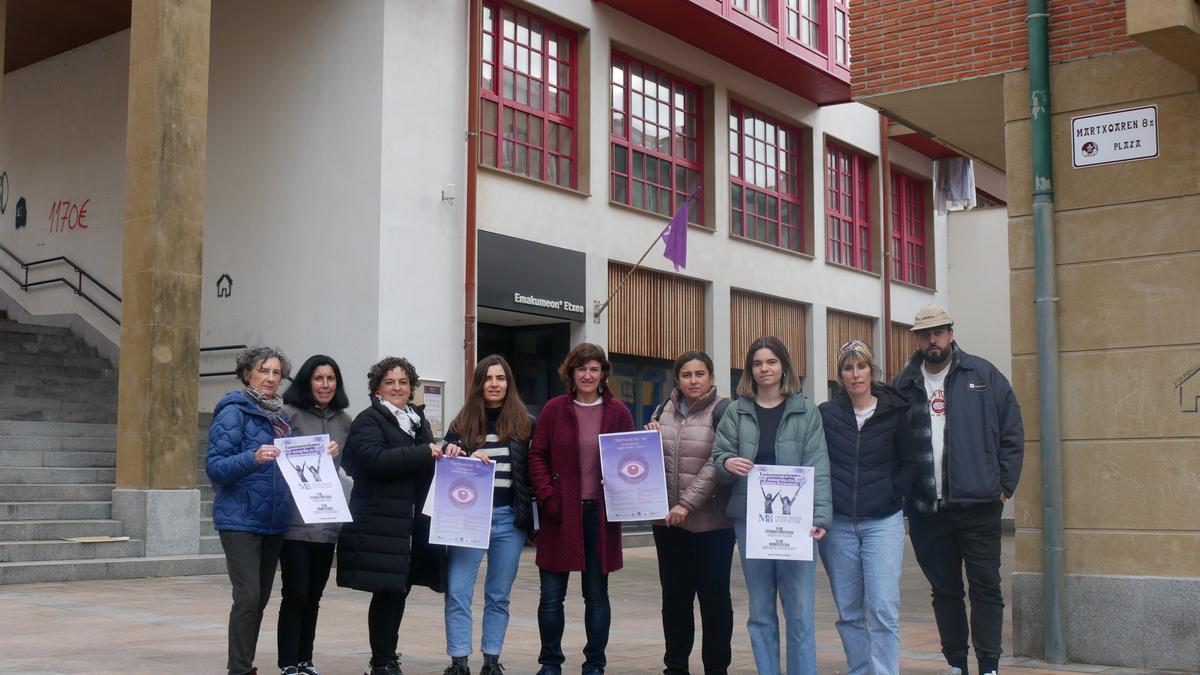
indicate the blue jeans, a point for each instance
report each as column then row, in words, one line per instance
column 503, row 554
column 597, row 613
column 863, row 558
column 792, row 582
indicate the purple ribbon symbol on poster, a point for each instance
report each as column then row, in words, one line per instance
column 460, row 502
column 635, row 485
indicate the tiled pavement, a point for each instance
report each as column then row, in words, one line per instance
column 177, row 625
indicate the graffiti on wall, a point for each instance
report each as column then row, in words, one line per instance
column 68, row 215
column 21, row 213
column 3, row 192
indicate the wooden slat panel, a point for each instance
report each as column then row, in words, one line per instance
column 840, row 328
column 901, row 345
column 752, row 316
column 655, row 314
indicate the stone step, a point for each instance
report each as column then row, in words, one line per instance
column 69, row 360
column 211, row 543
column 73, row 390
column 206, row 509
column 9, row 370
column 206, row 526
column 58, row 458
column 59, row 492
column 55, row 510
column 49, row 443
column 26, row 415
column 30, row 551
column 57, row 475
column 10, row 326
column 110, row 568
column 45, row 344
column 73, row 402
column 58, row 429
column 25, row 530
column 55, row 382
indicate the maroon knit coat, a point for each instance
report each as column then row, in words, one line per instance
column 554, row 477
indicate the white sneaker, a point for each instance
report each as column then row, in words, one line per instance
column 952, row 671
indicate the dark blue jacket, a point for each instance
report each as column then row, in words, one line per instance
column 984, row 442
column 247, row 497
column 872, row 468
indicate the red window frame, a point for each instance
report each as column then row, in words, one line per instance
column 527, row 110
column 804, row 23
column 641, row 95
column 767, row 206
column 752, row 9
column 841, row 31
column 908, row 228
column 847, row 207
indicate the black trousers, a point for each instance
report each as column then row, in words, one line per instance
column 691, row 565
column 303, row 570
column 251, row 560
column 597, row 610
column 383, row 625
column 944, row 543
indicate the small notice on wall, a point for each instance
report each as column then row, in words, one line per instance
column 1117, row 136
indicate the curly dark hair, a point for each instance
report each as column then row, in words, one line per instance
column 248, row 359
column 389, row 363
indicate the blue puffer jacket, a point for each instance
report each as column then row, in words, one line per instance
column 248, row 497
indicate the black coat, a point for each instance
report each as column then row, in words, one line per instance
column 984, row 441
column 386, row 548
column 873, row 468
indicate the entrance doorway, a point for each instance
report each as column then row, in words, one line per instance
column 535, row 350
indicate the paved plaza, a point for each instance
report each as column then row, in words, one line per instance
column 177, row 625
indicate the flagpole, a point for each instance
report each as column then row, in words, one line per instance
column 600, row 307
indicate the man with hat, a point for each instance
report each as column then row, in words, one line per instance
column 970, row 445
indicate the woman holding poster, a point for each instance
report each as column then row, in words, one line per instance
column 772, row 423
column 564, row 472
column 386, row 550
column 871, row 455
column 251, row 502
column 316, row 405
column 695, row 541
column 495, row 427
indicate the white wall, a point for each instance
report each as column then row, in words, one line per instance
column 62, row 138
column 420, row 237
column 979, row 283
column 293, row 182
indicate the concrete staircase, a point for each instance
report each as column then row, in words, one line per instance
column 58, row 402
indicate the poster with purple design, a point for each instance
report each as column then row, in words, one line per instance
column 779, row 512
column 635, row 484
column 461, row 502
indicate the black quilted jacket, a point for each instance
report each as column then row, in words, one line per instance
column 872, row 469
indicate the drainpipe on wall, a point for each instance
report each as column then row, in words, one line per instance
column 1054, row 588
column 885, row 257
column 475, row 17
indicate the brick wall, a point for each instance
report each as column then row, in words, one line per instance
column 903, row 44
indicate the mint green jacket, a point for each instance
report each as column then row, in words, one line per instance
column 800, row 441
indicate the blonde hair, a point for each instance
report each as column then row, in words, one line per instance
column 789, row 383
column 859, row 351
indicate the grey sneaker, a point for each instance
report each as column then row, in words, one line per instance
column 952, row 671
column 290, row 670
column 307, row 668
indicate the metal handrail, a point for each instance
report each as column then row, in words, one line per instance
column 77, row 287
column 221, row 348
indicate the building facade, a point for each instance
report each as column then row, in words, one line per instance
column 1124, row 112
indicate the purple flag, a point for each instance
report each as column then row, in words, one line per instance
column 675, row 237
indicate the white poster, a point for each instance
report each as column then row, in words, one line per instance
column 779, row 511
column 313, row 479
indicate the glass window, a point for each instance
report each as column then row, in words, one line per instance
column 527, row 113
column 765, row 189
